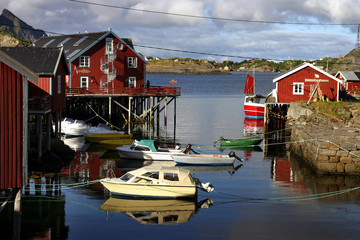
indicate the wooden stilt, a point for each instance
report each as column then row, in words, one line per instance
column 48, row 132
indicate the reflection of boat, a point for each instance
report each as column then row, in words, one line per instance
column 206, row 169
column 114, row 143
column 206, row 159
column 76, row 143
column 156, row 211
column 146, row 150
column 240, row 142
column 98, row 137
column 254, row 105
column 168, row 182
column 241, row 148
column 253, row 127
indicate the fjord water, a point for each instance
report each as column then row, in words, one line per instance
column 271, row 196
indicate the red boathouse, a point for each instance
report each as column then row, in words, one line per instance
column 304, row 83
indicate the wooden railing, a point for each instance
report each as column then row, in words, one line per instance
column 42, row 103
column 150, row 91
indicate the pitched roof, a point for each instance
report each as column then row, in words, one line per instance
column 76, row 44
column 17, row 66
column 349, row 75
column 302, row 66
column 42, row 61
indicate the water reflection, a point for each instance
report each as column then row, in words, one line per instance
column 156, row 211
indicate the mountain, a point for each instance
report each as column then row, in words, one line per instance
column 9, row 23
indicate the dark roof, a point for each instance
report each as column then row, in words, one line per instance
column 76, row 44
column 42, row 61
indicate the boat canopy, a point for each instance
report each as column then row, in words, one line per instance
column 171, row 175
column 147, row 144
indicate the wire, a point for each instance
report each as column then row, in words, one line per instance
column 215, row 18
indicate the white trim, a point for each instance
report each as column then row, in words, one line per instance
column 297, row 88
column 86, row 60
column 134, row 82
column 87, row 81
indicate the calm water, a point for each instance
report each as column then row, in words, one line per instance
column 270, row 197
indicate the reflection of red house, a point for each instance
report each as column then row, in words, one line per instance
column 351, row 81
column 282, row 172
column 32, row 81
column 306, row 82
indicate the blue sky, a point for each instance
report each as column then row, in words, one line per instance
column 232, row 38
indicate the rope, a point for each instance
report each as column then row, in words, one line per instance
column 97, row 115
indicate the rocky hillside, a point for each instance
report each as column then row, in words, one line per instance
column 9, row 23
column 182, row 66
column 350, row 62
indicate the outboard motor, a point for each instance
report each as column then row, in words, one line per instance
column 232, row 154
column 187, row 149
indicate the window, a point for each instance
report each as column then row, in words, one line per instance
column 132, row 82
column 49, row 42
column 59, row 84
column 80, row 41
column 84, row 82
column 84, row 61
column 63, row 41
column 132, row 62
column 109, row 45
column 298, row 88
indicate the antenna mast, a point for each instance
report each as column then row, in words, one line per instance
column 357, row 44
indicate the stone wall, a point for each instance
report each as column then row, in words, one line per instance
column 327, row 145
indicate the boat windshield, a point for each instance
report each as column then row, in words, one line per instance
column 126, row 177
column 151, row 174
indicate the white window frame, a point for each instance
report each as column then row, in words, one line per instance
column 298, row 88
column 132, row 62
column 132, row 82
column 84, row 79
column 84, row 61
column 109, row 46
column 59, row 84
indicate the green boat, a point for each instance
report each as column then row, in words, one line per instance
column 240, row 142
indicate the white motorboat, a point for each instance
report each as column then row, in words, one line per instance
column 146, row 150
column 163, row 182
column 206, row 159
column 76, row 128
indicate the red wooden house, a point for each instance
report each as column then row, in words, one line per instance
column 306, row 82
column 99, row 62
column 351, row 81
column 32, row 81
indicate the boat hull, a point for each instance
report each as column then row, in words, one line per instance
column 98, row 137
column 126, row 152
column 204, row 160
column 254, row 111
column 149, row 190
column 241, row 142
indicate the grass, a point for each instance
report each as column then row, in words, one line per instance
column 335, row 108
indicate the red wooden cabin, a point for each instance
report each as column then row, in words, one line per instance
column 306, row 82
column 32, row 81
column 351, row 81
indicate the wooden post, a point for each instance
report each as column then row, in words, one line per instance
column 39, row 135
column 175, row 119
column 129, row 114
column 110, row 100
column 48, row 132
column 165, row 117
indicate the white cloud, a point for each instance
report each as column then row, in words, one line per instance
column 274, row 41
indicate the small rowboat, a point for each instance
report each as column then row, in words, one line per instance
column 206, row 159
column 240, row 142
column 114, row 143
column 98, row 137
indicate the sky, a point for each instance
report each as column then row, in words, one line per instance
column 233, row 30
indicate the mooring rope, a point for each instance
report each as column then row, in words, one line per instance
column 97, row 115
